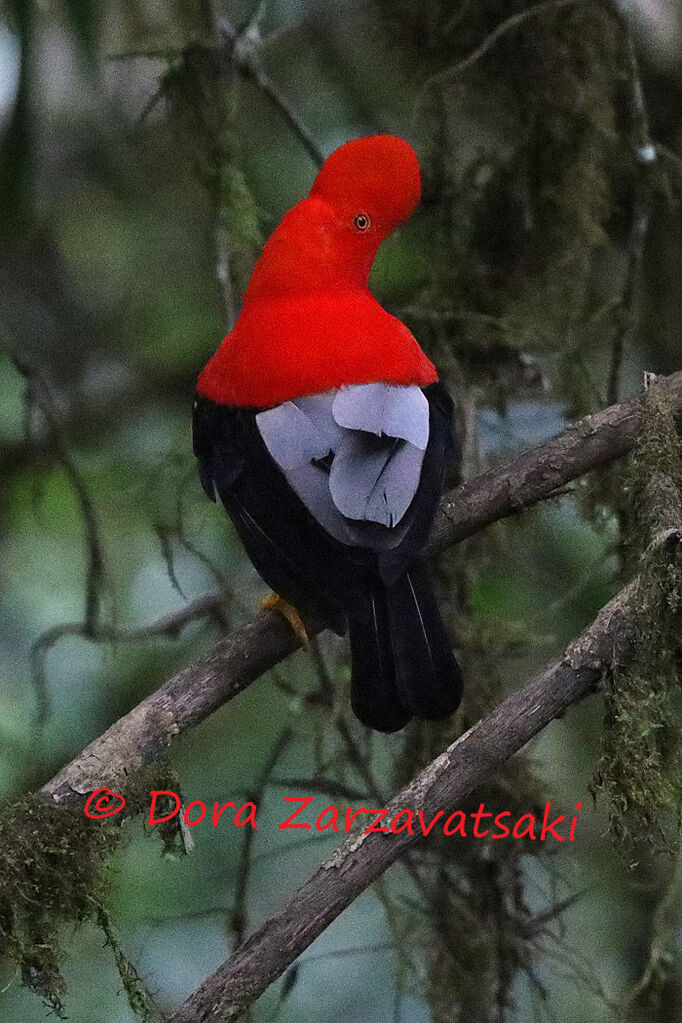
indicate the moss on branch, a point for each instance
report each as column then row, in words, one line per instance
column 55, row 870
column 640, row 768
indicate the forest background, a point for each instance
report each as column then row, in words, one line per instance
column 148, row 148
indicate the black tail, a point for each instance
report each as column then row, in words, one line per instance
column 402, row 660
column 373, row 690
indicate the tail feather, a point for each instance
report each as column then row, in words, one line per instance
column 428, row 677
column 374, row 695
column 402, row 660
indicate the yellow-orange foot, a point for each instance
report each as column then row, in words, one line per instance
column 273, row 602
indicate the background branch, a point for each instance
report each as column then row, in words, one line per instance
column 642, row 208
column 509, row 24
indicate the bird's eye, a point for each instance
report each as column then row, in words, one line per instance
column 361, row 222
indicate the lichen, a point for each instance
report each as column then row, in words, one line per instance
column 518, row 221
column 161, row 777
column 140, row 1000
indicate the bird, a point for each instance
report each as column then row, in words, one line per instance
column 323, row 428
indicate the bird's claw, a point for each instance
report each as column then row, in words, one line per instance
column 273, row 602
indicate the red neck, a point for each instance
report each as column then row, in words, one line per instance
column 309, row 322
column 312, row 249
column 286, row 347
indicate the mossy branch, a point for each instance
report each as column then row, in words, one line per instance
column 54, row 870
column 639, row 768
column 51, row 869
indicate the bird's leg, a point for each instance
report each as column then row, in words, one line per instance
column 273, row 602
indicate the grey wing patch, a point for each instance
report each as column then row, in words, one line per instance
column 376, row 435
column 318, row 409
column 374, row 479
column 377, row 467
column 298, row 435
column 311, row 484
column 384, row 409
column 292, row 437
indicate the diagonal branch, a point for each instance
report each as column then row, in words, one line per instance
column 543, row 470
column 439, row 787
column 236, row 661
column 245, row 49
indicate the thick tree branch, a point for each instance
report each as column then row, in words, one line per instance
column 238, row 660
column 142, row 735
column 543, row 470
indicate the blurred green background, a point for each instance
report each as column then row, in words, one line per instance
column 111, row 216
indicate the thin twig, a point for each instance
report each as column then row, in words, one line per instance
column 239, row 919
column 278, row 100
column 510, row 24
column 210, row 605
column 645, row 155
column 38, row 394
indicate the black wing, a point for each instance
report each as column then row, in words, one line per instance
column 288, row 546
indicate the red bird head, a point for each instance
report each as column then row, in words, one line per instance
column 330, row 239
column 309, row 322
column 375, row 177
